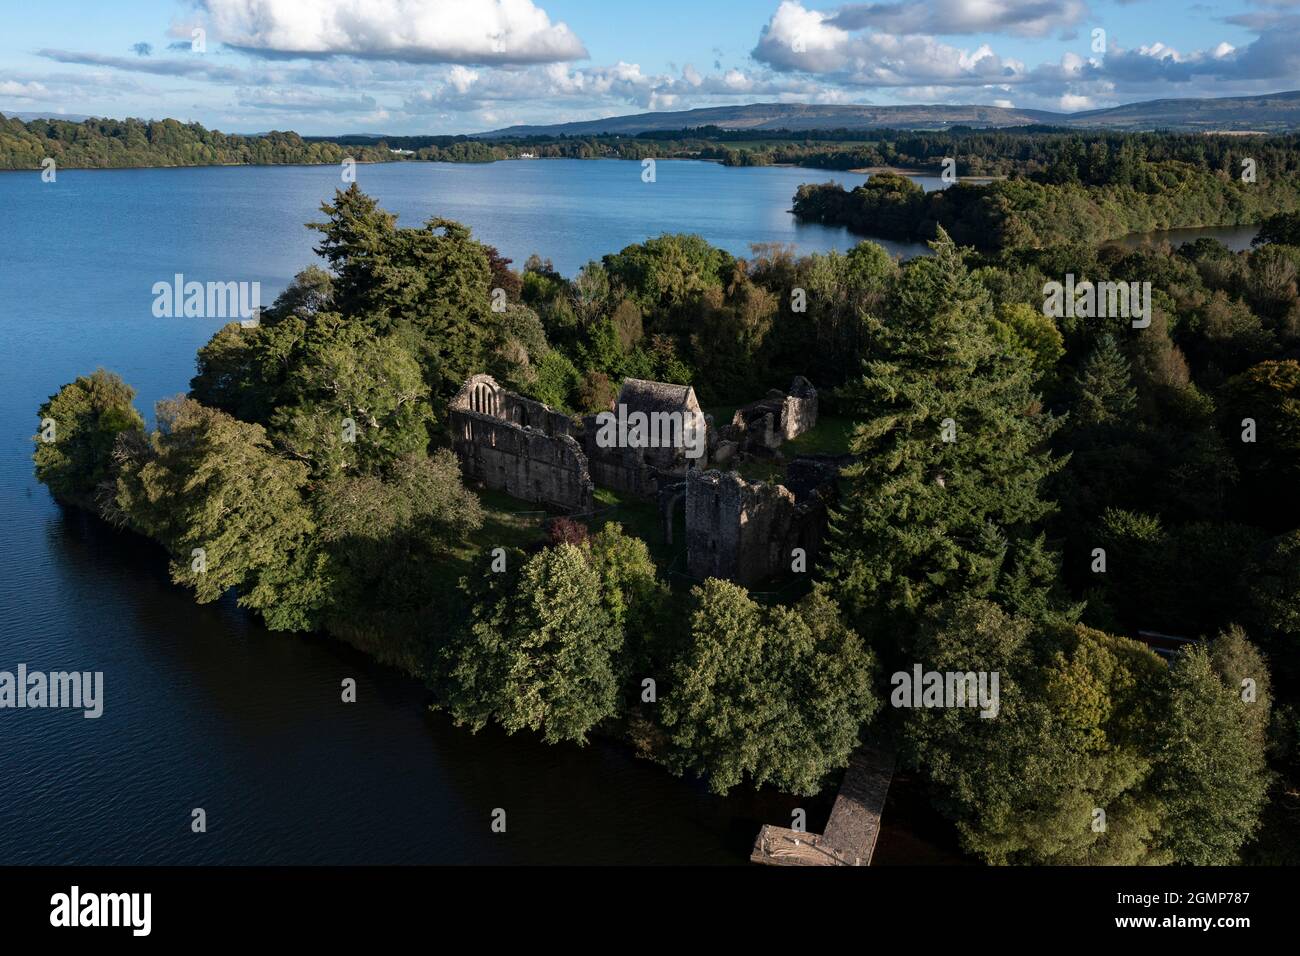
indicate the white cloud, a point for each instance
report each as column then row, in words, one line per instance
column 22, row 91
column 895, row 46
column 461, row 90
column 951, row 17
column 420, row 31
column 297, row 100
column 461, row 78
column 800, row 40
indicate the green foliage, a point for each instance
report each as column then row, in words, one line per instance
column 242, row 371
column 1051, row 208
column 109, row 144
column 434, row 281
column 1104, row 388
column 923, row 518
column 230, row 511
column 557, row 380
column 1183, row 580
column 539, row 653
column 773, row 695
column 420, row 493
column 1273, row 586
column 728, row 333
column 1019, row 326
column 1212, row 777
column 669, row 271
column 1282, row 228
column 1269, row 395
column 517, row 345
column 944, row 552
column 356, row 377
column 1077, row 732
column 827, row 343
column 88, row 414
column 630, row 587
column 387, row 539
column 627, row 324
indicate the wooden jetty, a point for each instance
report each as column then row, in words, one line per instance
column 854, row 825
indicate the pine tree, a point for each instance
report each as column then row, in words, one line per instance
column 432, row 283
column 951, row 451
column 357, row 243
column 1104, row 392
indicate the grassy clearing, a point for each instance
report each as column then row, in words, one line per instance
column 830, row 436
column 641, row 519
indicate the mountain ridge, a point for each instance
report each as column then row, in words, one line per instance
column 1271, row 112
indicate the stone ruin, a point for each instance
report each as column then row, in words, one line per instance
column 760, row 427
column 747, row 531
column 641, row 471
column 519, row 446
column 735, row 529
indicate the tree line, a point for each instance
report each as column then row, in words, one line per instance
column 1052, row 155
column 110, row 144
column 1038, row 212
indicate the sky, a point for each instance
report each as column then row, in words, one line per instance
column 464, row 66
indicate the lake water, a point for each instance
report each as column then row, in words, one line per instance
column 204, row 707
column 1236, row 238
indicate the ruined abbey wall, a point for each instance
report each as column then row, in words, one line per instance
column 519, row 446
column 763, row 425
column 744, row 531
column 641, row 471
column 623, row 469
column 798, row 409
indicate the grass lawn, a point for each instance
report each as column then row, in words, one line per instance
column 507, row 523
column 513, row 523
column 641, row 519
column 830, row 436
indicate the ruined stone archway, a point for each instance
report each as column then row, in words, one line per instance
column 669, row 498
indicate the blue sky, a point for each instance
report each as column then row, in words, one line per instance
column 451, row 66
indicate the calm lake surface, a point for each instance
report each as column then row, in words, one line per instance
column 204, row 707
column 1236, row 238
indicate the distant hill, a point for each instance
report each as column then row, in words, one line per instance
column 1273, row 112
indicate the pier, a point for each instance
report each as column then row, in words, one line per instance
column 850, row 835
